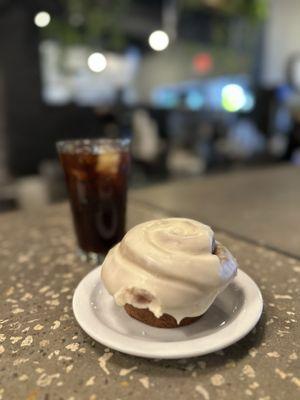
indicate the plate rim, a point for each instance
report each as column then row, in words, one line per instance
column 243, row 281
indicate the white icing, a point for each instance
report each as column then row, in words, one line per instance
column 167, row 266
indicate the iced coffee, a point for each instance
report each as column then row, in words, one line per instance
column 96, row 172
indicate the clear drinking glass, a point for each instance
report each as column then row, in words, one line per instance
column 96, row 172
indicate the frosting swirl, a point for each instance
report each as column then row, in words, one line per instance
column 167, row 265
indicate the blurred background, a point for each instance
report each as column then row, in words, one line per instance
column 200, row 86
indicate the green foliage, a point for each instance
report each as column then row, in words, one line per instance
column 89, row 22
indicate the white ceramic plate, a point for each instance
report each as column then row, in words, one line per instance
column 233, row 314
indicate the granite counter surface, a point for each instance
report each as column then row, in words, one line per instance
column 45, row 355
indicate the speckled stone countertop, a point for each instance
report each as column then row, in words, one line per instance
column 45, row 355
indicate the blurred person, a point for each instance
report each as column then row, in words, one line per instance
column 107, row 120
column 145, row 140
column 147, row 146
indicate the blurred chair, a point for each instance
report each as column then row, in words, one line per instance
column 31, row 193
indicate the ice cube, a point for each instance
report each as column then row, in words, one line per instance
column 108, row 162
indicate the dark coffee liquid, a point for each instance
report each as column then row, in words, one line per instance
column 97, row 185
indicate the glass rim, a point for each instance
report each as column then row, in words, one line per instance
column 70, row 145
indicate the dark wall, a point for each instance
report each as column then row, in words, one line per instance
column 31, row 127
column 19, row 59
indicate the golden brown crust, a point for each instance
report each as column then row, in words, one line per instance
column 165, row 321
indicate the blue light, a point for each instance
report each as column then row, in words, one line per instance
column 194, row 100
column 165, row 98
